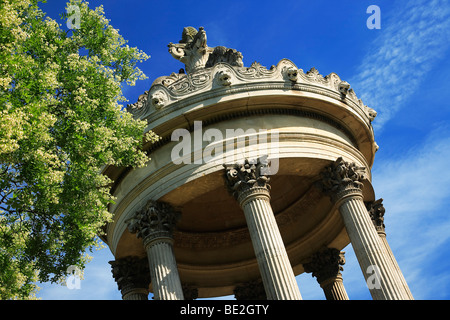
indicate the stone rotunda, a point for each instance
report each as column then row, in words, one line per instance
column 260, row 174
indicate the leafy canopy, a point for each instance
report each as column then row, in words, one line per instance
column 61, row 122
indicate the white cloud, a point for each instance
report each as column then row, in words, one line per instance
column 416, row 195
column 412, row 39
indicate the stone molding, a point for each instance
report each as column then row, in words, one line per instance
column 131, row 273
column 325, row 264
column 154, row 221
column 178, row 87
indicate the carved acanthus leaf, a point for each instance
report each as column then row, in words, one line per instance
column 244, row 176
column 341, row 175
column 325, row 264
column 156, row 216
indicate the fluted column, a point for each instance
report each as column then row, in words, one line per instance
column 132, row 277
column 252, row 191
column 154, row 224
column 326, row 266
column 376, row 212
column 342, row 181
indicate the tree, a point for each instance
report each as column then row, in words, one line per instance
column 61, row 122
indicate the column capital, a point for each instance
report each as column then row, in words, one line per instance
column 131, row 273
column 376, row 212
column 155, row 220
column 253, row 290
column 245, row 179
column 325, row 264
column 341, row 178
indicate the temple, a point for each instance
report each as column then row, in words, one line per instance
column 260, row 174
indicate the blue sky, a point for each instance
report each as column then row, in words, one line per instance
column 401, row 70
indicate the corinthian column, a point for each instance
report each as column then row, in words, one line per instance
column 342, row 181
column 252, row 191
column 376, row 212
column 132, row 277
column 326, row 266
column 154, row 224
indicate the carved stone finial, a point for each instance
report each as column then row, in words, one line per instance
column 156, row 218
column 341, row 176
column 223, row 54
column 376, row 212
column 194, row 52
column 325, row 264
column 130, row 273
column 242, row 177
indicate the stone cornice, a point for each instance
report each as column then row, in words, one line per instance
column 225, row 79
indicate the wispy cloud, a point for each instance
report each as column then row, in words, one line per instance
column 415, row 190
column 412, row 39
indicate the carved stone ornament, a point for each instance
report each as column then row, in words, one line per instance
column 130, row 273
column 158, row 99
column 344, row 86
column 292, row 74
column 245, row 176
column 325, row 264
column 154, row 219
column 341, row 176
column 376, row 212
column 224, row 77
column 202, row 64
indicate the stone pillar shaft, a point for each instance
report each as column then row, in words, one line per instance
column 154, row 224
column 163, row 270
column 376, row 212
column 276, row 271
column 376, row 265
column 334, row 289
column 251, row 189
column 343, row 182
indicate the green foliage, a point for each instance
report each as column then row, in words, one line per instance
column 60, row 123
